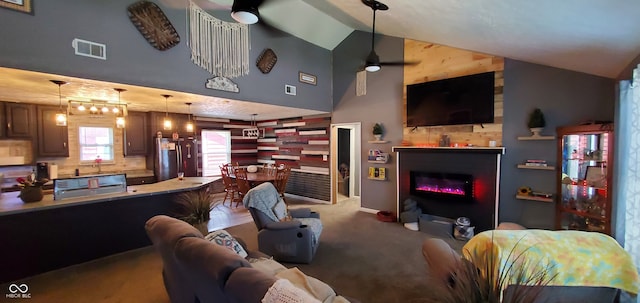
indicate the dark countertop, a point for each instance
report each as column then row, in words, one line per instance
column 11, row 204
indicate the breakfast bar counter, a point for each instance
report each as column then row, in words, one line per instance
column 11, row 204
column 42, row 236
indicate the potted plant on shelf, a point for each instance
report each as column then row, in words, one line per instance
column 536, row 122
column 377, row 131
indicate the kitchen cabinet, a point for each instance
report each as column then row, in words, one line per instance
column 136, row 134
column 584, row 177
column 141, row 180
column 178, row 123
column 536, row 164
column 17, row 119
column 53, row 140
column 3, row 121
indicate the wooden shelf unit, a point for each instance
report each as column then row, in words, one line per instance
column 536, row 167
column 533, row 198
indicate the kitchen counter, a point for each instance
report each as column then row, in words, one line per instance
column 11, row 204
column 72, row 231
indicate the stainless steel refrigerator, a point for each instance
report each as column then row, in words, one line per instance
column 176, row 156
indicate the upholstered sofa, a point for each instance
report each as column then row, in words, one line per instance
column 198, row 270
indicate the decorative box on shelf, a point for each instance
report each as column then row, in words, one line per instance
column 377, row 156
column 377, row 173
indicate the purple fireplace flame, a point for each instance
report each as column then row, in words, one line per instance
column 442, row 186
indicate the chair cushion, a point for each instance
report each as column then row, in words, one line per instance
column 315, row 225
column 224, row 239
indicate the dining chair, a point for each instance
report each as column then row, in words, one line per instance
column 243, row 183
column 230, row 186
column 282, row 176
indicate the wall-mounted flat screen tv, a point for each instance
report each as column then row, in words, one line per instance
column 454, row 101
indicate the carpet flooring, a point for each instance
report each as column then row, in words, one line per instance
column 361, row 257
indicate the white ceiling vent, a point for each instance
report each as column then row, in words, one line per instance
column 90, row 49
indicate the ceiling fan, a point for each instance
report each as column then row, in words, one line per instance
column 373, row 63
column 246, row 11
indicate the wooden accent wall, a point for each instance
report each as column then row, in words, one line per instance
column 441, row 62
column 301, row 143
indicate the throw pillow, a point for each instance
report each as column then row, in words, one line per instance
column 223, row 238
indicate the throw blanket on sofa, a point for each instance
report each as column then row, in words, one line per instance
column 294, row 286
column 576, row 258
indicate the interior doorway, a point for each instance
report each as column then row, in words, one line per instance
column 345, row 161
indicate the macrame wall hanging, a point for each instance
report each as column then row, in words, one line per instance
column 220, row 47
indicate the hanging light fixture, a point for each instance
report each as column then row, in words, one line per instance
column 189, row 125
column 253, row 132
column 167, row 121
column 61, row 117
column 120, row 123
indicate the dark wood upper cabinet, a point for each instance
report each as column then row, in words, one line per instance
column 136, row 134
column 3, row 121
column 178, row 123
column 53, row 140
column 19, row 118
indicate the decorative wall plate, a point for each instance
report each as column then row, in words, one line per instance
column 222, row 83
column 266, row 60
column 153, row 25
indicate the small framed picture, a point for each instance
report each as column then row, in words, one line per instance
column 24, row 6
column 596, row 176
column 307, row 78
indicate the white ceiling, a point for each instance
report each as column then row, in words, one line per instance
column 599, row 37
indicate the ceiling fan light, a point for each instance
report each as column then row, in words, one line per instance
column 245, row 17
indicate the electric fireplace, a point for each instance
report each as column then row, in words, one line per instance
column 442, row 186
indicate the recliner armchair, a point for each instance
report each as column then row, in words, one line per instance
column 289, row 236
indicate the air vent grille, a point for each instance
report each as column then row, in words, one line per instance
column 90, row 49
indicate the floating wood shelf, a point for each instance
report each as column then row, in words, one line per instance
column 377, row 161
column 532, row 198
column 537, row 138
column 536, row 167
column 378, row 142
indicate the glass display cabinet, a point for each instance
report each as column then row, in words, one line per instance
column 585, row 160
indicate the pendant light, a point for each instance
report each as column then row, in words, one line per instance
column 167, row 121
column 120, row 123
column 189, row 125
column 61, row 117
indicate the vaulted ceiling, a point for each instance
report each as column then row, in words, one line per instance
column 597, row 37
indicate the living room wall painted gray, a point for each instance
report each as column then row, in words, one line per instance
column 42, row 42
column 566, row 98
column 382, row 104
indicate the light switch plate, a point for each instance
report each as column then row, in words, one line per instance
column 289, row 89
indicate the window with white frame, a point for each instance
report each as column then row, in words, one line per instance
column 95, row 142
column 216, row 151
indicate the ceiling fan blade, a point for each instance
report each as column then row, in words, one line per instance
column 399, row 63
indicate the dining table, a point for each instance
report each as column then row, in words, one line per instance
column 258, row 178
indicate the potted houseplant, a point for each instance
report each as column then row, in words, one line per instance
column 195, row 208
column 536, row 122
column 30, row 188
column 377, row 131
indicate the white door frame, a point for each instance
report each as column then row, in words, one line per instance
column 355, row 169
